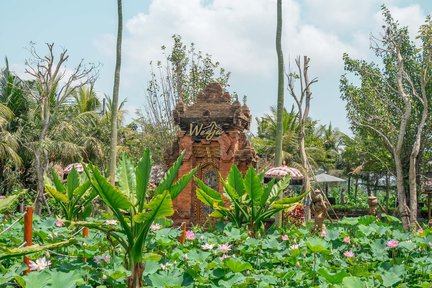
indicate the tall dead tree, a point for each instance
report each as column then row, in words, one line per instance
column 53, row 85
column 302, row 100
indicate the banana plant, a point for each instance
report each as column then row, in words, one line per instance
column 132, row 207
column 74, row 197
column 251, row 202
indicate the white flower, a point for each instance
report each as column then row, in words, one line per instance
column 185, row 257
column 294, row 247
column 155, row 227
column 207, row 246
column 111, row 222
column 40, row 264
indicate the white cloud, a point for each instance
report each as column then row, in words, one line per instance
column 241, row 35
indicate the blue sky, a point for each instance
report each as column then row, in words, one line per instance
column 238, row 33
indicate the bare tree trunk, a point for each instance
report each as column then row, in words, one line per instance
column 39, row 155
column 356, row 188
column 400, row 192
column 280, row 98
column 114, row 112
column 387, row 192
column 349, row 185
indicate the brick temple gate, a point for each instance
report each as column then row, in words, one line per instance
column 213, row 136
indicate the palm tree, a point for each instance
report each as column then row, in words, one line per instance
column 113, row 147
column 264, row 143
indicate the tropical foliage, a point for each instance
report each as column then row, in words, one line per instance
column 134, row 207
column 251, row 202
column 356, row 252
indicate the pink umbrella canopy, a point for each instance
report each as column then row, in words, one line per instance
column 78, row 167
column 282, row 171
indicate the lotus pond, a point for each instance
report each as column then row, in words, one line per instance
column 355, row 252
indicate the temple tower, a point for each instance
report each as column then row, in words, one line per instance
column 213, row 136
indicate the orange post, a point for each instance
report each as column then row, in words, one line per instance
column 182, row 238
column 28, row 223
column 85, row 235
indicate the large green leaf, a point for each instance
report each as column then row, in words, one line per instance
column 253, row 185
column 126, row 177
column 232, row 193
column 7, row 202
column 235, row 179
column 57, row 194
column 142, row 174
column 208, row 190
column 333, row 278
column 7, row 253
column 280, row 186
column 206, row 198
column 65, row 279
column 80, row 190
column 72, row 182
column 266, row 194
column 113, row 197
column 57, row 182
column 170, row 176
column 290, row 200
column 181, row 183
column 160, row 206
column 237, row 265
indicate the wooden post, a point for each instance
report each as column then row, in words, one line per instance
column 28, row 223
column 182, row 238
column 85, row 235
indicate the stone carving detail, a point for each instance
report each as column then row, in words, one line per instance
column 319, row 207
column 373, row 205
column 226, row 147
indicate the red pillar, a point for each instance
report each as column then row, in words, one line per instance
column 28, row 223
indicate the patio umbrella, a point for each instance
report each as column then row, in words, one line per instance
column 326, row 178
column 78, row 167
column 282, row 171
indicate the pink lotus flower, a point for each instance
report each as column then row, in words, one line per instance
column 224, row 248
column 348, row 254
column 323, row 233
column 164, row 266
column 420, row 230
column 59, row 222
column 40, row 264
column 155, row 227
column 284, row 237
column 347, row 240
column 207, row 246
column 190, row 235
column 392, row 243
